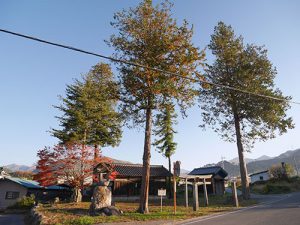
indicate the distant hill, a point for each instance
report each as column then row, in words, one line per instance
column 184, row 171
column 235, row 160
column 261, row 163
column 16, row 167
column 264, row 157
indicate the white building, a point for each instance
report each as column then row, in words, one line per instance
column 260, row 176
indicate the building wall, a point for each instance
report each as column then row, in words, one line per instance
column 132, row 186
column 260, row 177
column 5, row 186
column 220, row 187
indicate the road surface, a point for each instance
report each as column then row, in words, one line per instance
column 11, row 219
column 281, row 210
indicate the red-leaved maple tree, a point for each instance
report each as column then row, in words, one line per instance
column 44, row 167
column 72, row 164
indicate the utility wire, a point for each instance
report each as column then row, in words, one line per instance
column 145, row 67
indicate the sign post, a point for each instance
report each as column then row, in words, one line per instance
column 176, row 172
column 174, row 194
column 161, row 193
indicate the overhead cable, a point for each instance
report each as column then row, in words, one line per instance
column 146, row 67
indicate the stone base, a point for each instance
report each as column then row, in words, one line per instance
column 106, row 211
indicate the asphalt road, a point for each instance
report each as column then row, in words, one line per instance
column 11, row 219
column 280, row 210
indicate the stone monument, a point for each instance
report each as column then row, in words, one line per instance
column 101, row 201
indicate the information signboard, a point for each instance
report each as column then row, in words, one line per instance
column 161, row 192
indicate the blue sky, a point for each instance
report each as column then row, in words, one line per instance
column 33, row 75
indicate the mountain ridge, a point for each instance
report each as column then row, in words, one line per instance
column 264, row 163
column 261, row 163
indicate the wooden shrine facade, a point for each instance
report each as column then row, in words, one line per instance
column 214, row 177
column 128, row 178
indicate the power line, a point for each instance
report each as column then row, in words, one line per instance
column 145, row 67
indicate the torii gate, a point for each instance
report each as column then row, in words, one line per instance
column 195, row 180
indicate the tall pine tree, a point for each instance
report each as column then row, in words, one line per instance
column 236, row 116
column 149, row 36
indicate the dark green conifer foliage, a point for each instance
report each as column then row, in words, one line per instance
column 165, row 133
column 89, row 110
column 236, row 116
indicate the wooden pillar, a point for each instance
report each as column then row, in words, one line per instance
column 186, row 194
column 234, row 194
column 174, row 191
column 195, row 196
column 205, row 193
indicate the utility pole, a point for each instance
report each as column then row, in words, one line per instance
column 296, row 167
column 223, row 163
column 234, row 194
column 176, row 172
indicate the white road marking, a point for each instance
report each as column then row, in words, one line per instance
column 237, row 211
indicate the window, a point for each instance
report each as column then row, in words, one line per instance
column 261, row 178
column 12, row 195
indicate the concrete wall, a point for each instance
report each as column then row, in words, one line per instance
column 260, row 177
column 6, row 185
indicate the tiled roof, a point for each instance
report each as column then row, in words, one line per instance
column 265, row 171
column 136, row 170
column 24, row 183
column 213, row 170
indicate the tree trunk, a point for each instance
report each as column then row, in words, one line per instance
column 96, row 152
column 76, row 196
column 243, row 167
column 82, row 161
column 96, row 156
column 143, row 208
column 169, row 179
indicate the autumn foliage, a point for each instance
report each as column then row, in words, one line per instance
column 72, row 164
column 44, row 167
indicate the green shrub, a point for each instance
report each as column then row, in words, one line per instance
column 279, row 172
column 260, row 182
column 24, row 203
column 276, row 189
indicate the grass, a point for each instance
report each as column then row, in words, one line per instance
column 78, row 213
column 277, row 186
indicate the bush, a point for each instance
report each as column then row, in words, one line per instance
column 259, row 182
column 276, row 189
column 25, row 203
column 278, row 172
